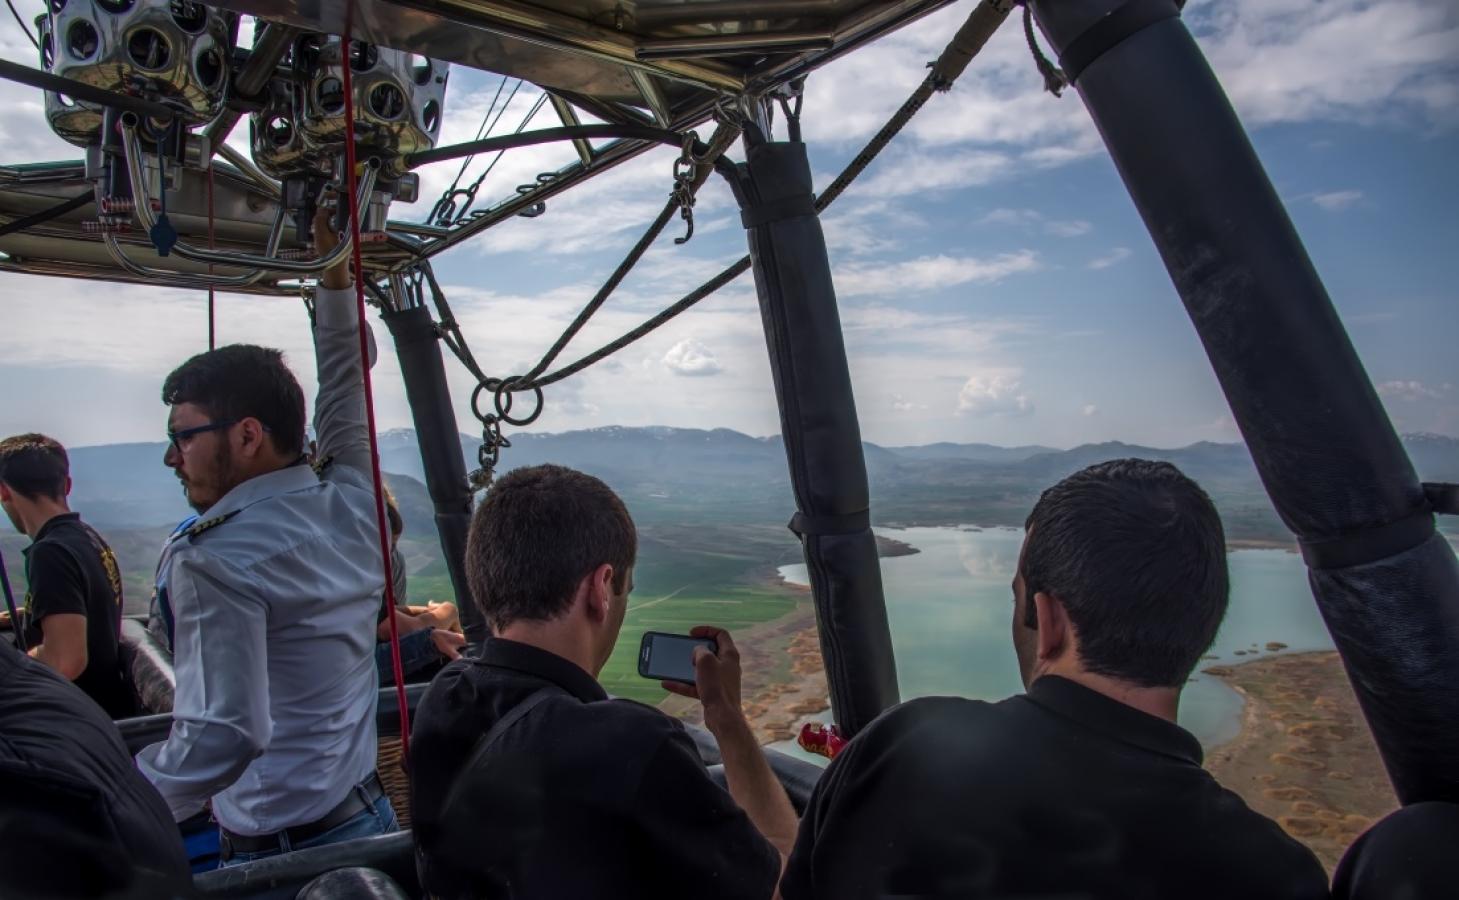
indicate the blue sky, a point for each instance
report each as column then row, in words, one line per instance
column 995, row 281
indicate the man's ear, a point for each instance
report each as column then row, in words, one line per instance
column 251, row 436
column 68, row 487
column 5, row 493
column 1053, row 628
column 599, row 590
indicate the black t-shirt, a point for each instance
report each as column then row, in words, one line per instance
column 1060, row 793
column 76, row 817
column 70, row 569
column 583, row 797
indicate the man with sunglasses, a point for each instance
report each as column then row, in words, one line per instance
column 269, row 599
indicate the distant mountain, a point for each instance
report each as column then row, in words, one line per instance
column 684, row 475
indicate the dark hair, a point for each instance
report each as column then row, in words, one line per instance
column 539, row 530
column 34, row 465
column 240, row 381
column 1134, row 551
column 392, row 512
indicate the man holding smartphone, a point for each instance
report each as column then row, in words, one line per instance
column 528, row 781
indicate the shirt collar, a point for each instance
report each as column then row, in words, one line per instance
column 55, row 522
column 262, row 487
column 1114, row 719
column 539, row 663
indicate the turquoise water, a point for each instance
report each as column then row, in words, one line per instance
column 950, row 608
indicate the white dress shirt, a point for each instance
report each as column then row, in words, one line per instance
column 274, row 596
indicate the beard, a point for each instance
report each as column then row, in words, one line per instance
column 205, row 488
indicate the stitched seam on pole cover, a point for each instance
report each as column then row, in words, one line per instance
column 1099, row 38
column 803, row 524
column 786, row 208
column 1369, row 545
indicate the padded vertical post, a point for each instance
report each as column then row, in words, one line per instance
column 821, row 433
column 418, row 347
column 1386, row 583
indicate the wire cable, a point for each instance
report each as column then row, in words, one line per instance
column 379, row 483
column 21, row 22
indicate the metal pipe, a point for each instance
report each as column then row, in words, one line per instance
column 268, row 49
column 254, row 173
column 78, row 90
column 543, row 136
column 734, row 45
column 165, row 278
column 1385, row 582
column 652, row 96
column 569, row 118
column 131, row 148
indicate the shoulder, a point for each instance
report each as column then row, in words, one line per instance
column 49, row 553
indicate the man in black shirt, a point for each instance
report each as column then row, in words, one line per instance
column 527, row 781
column 1084, row 787
column 76, row 817
column 73, row 606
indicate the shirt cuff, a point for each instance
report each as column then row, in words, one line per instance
column 335, row 308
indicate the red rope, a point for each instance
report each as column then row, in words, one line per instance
column 212, row 245
column 349, row 151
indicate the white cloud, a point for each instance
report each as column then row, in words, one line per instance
column 1069, row 229
column 1337, row 201
column 1090, row 410
column 916, row 173
column 1112, row 258
column 1410, row 391
column 689, row 357
column 929, row 273
column 997, row 395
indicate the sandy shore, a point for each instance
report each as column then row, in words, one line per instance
column 1304, row 756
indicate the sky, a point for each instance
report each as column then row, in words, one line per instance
column 995, row 283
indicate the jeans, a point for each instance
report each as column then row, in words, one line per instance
column 417, row 651
column 378, row 820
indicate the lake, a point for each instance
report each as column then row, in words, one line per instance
column 950, row 606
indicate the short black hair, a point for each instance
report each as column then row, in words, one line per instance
column 539, row 530
column 1135, row 552
column 241, row 381
column 34, row 465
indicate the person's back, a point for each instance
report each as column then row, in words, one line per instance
column 76, row 818
column 73, row 603
column 527, row 781
column 1084, row 787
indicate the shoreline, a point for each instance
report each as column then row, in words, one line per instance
column 1304, row 756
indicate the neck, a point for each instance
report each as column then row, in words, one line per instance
column 1161, row 702
column 41, row 511
column 555, row 637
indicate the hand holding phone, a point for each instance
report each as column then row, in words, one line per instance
column 714, row 681
column 670, row 657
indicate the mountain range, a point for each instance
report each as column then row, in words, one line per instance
column 678, row 475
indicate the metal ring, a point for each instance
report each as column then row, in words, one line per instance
column 505, row 390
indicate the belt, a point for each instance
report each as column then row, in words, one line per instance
column 360, row 798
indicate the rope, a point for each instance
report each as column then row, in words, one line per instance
column 46, row 215
column 380, row 523
column 21, row 22
column 212, row 245
column 1054, row 80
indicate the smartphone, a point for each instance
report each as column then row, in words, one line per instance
column 670, row 657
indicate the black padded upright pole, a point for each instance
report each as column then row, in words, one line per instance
column 418, row 347
column 1386, row 583
column 821, row 433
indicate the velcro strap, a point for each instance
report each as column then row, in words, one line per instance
column 1370, row 545
column 850, row 523
column 1109, row 30
column 1443, row 497
column 788, row 208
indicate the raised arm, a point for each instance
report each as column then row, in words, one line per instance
column 220, row 718
column 340, row 426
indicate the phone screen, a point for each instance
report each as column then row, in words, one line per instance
column 670, row 657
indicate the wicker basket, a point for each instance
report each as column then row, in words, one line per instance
column 390, row 765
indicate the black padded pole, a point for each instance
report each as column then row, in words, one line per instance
column 818, row 421
column 417, row 345
column 1386, row 583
